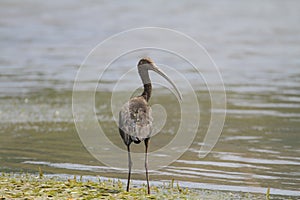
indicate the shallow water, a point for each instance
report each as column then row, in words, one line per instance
column 257, row 49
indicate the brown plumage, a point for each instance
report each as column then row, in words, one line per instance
column 135, row 120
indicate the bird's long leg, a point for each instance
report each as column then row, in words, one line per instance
column 129, row 167
column 146, row 163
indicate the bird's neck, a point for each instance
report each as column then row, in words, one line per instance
column 147, row 91
column 147, row 83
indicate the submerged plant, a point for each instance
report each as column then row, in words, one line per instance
column 41, row 174
column 268, row 194
column 27, row 186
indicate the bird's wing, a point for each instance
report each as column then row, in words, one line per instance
column 124, row 124
column 143, row 125
column 135, row 120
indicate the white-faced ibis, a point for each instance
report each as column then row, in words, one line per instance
column 135, row 120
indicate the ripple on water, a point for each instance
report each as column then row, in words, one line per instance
column 230, row 138
column 257, row 160
column 264, row 151
column 221, row 164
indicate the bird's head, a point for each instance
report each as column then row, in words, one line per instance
column 146, row 64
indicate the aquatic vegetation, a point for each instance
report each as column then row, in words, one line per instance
column 40, row 186
column 28, row 186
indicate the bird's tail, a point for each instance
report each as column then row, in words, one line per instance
column 136, row 140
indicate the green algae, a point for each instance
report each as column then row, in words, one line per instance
column 25, row 186
column 38, row 186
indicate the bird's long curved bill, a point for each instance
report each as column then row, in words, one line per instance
column 160, row 72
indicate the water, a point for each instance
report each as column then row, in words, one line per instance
column 257, row 49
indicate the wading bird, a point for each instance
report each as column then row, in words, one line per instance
column 135, row 120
